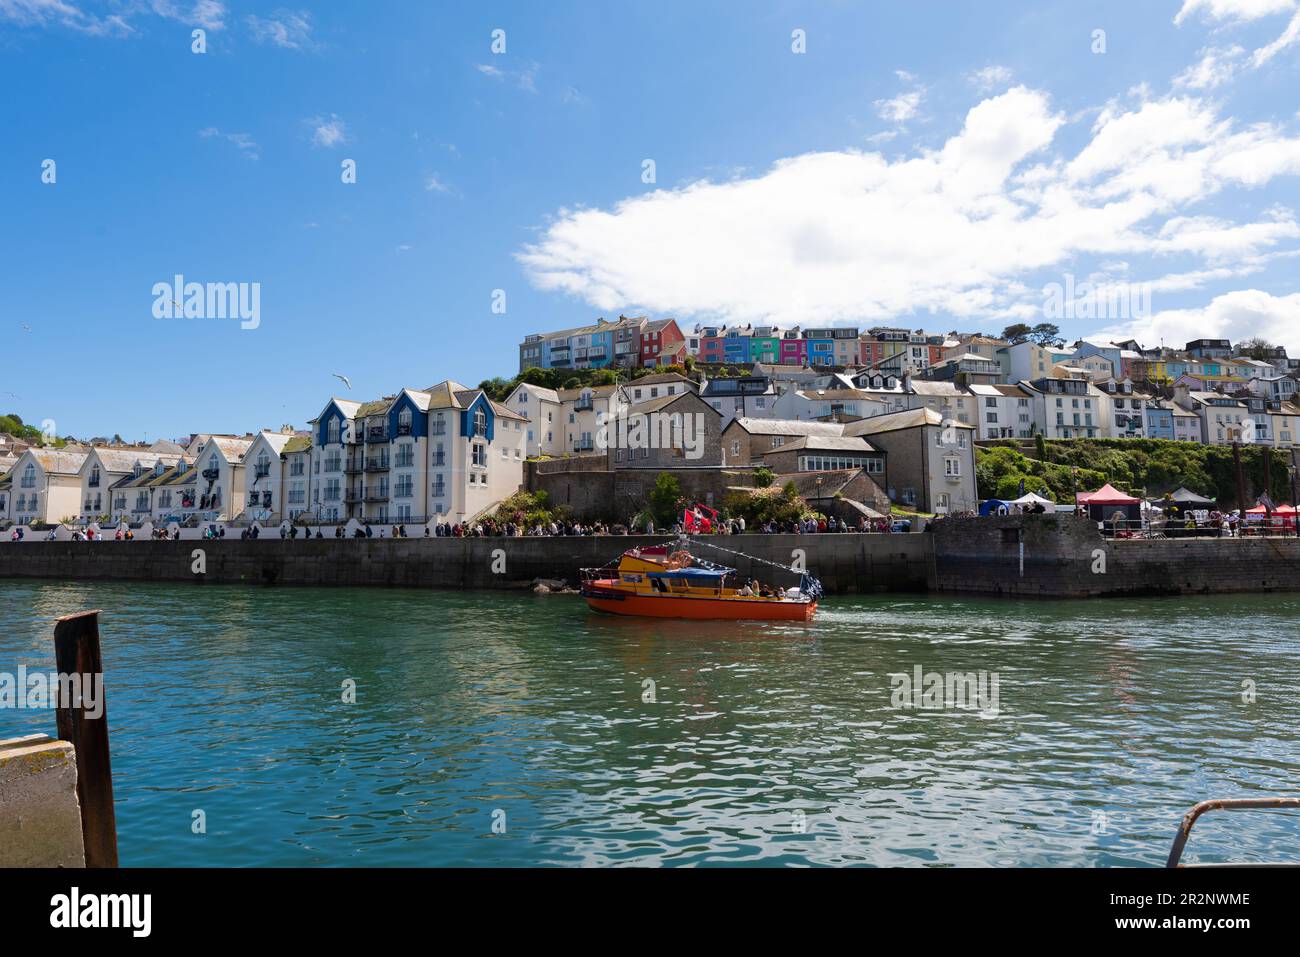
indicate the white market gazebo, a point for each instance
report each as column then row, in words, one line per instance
column 1032, row 499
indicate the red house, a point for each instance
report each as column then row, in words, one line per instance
column 657, row 341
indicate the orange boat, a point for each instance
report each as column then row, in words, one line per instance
column 657, row 583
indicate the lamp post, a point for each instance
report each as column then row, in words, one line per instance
column 1291, row 471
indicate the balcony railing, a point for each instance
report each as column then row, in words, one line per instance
column 140, row 508
column 377, row 433
column 376, row 465
column 583, row 445
column 352, row 496
column 439, row 491
column 211, row 474
column 584, row 404
column 379, row 494
column 262, row 471
column 403, row 429
column 93, row 483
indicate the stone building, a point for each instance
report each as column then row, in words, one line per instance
column 931, row 459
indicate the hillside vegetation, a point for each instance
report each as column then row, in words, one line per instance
column 1144, row 467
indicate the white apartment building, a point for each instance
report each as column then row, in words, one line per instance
column 446, row 453
column 1004, row 411
column 544, row 411
column 1068, row 407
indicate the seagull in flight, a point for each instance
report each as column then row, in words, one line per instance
column 26, row 327
column 344, row 379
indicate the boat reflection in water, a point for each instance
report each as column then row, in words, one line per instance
column 658, row 582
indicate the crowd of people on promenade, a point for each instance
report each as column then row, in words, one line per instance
column 493, row 528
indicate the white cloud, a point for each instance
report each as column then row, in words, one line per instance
column 45, row 13
column 1217, row 66
column 1290, row 36
column 524, row 79
column 328, row 131
column 1233, row 9
column 433, row 184
column 990, row 77
column 1245, row 11
column 850, row 235
column 242, row 141
column 209, row 14
column 284, row 28
column 901, row 108
column 1237, row 315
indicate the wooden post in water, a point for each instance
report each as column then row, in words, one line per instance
column 76, row 652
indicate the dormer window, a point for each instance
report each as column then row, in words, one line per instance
column 332, row 432
column 480, row 422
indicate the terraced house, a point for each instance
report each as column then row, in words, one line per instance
column 111, row 481
column 265, row 485
column 445, row 453
column 295, row 459
column 606, row 343
column 220, row 482
column 45, row 486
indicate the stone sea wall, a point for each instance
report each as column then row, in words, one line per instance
column 844, row 563
column 1040, row 556
column 1061, row 556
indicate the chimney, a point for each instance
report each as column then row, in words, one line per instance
column 907, row 380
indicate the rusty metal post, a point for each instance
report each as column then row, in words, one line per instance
column 76, row 651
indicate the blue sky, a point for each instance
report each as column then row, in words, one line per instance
column 930, row 165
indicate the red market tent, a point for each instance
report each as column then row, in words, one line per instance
column 1106, row 495
column 1104, row 503
column 1284, row 516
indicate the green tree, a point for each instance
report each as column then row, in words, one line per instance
column 762, row 477
column 497, row 388
column 666, row 499
column 1256, row 347
column 1046, row 334
column 1017, row 332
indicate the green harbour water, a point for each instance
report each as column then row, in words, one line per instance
column 764, row 744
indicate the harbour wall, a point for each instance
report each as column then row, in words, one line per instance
column 1062, row 556
column 844, row 563
column 1034, row 556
